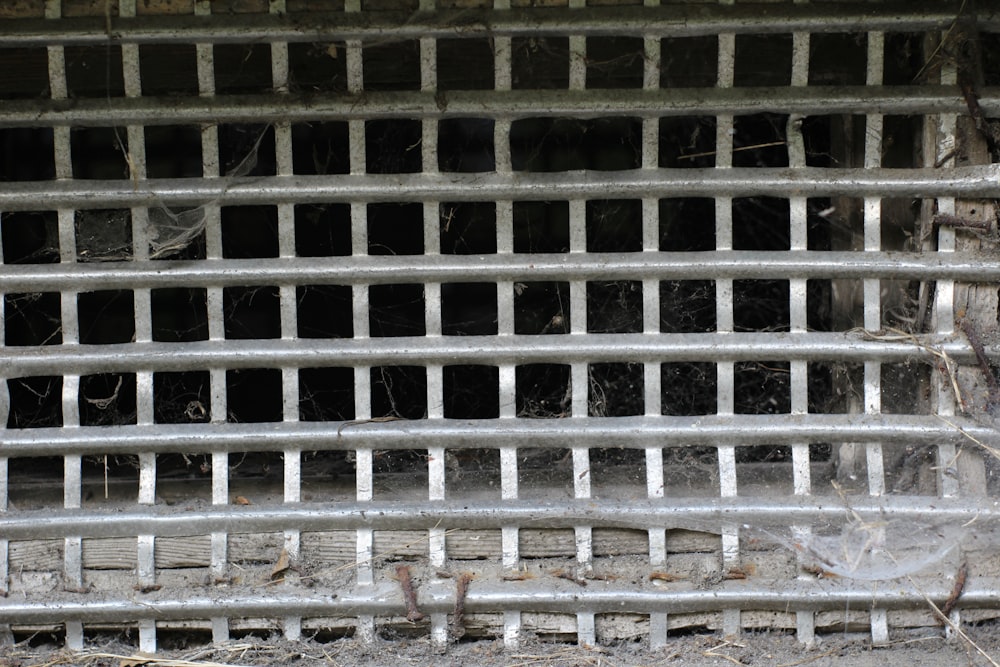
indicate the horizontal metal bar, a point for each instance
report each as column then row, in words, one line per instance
column 671, row 20
column 374, row 270
column 555, row 597
column 641, row 432
column 510, row 104
column 981, row 182
column 489, row 350
column 761, row 514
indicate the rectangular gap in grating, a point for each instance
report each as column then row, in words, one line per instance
column 651, row 322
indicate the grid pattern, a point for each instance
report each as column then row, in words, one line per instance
column 623, row 256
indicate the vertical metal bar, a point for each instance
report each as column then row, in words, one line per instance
column 205, row 56
column 6, row 635
column 724, row 316
column 432, row 321
column 73, row 545
column 135, row 155
column 364, row 538
column 292, row 477
column 805, row 629
column 944, row 289
column 578, row 325
column 509, row 535
column 873, row 298
column 651, row 325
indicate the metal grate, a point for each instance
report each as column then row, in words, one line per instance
column 643, row 317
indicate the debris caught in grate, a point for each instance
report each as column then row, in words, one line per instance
column 578, row 323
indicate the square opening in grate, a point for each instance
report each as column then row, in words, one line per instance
column 472, row 474
column 543, row 391
column 35, row 402
column 182, row 397
column 615, row 62
column 94, row 71
column 762, row 387
column 393, row 66
column 106, row 317
column 687, row 306
column 471, row 392
column 616, row 390
column 317, row 67
column 103, row 235
column 392, row 146
column 396, row 310
column 251, row 312
column 469, row 309
column 689, row 62
column 687, row 142
column 541, row 308
column 539, row 62
column 395, row 229
column 763, row 60
column 35, row 483
column 99, row 153
column 614, row 225
column 324, row 311
column 242, row 68
column 691, row 471
column 253, row 395
column 26, row 73
column 687, row 224
column 399, row 391
column 179, row 314
column 835, row 387
column 32, row 319
column 760, row 305
column 246, row 150
column 326, row 394
column 465, row 64
column 173, row 151
column 30, row 237
column 466, row 145
column 614, row 307
column 168, row 69
column 249, row 232
column 468, row 228
column 760, row 140
column 541, row 226
column 107, row 399
column 34, row 150
column 322, row 230
column 318, row 148
column 689, row 388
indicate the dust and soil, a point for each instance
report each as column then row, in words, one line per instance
column 926, row 648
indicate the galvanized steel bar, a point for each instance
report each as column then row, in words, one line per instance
column 520, row 349
column 980, row 182
column 502, row 105
column 527, row 596
column 361, row 270
column 766, row 516
column 456, row 433
column 668, row 20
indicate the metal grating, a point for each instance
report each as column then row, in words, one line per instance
column 647, row 318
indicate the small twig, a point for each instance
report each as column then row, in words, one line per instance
column 957, row 589
column 984, row 362
column 951, row 624
column 409, row 594
column 458, row 616
column 769, row 144
column 948, row 220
